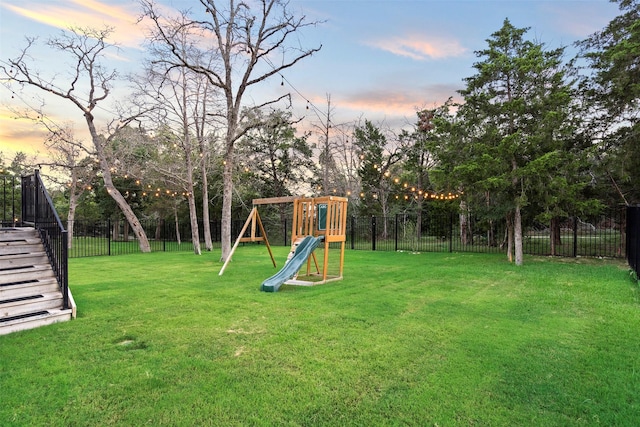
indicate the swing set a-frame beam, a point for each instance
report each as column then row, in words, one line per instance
column 255, row 221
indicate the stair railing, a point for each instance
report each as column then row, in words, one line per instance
column 9, row 193
column 38, row 210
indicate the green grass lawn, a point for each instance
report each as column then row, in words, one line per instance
column 405, row 339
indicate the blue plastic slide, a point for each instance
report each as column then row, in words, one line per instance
column 303, row 251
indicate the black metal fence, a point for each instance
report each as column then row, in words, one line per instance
column 599, row 236
column 11, row 200
column 604, row 235
column 633, row 239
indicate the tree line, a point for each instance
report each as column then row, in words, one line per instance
column 533, row 135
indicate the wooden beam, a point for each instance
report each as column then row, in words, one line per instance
column 274, row 200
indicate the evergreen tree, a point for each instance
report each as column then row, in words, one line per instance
column 516, row 127
column 613, row 92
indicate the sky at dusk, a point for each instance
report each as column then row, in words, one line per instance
column 380, row 60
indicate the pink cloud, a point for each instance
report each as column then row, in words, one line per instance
column 398, row 102
column 420, row 48
column 84, row 13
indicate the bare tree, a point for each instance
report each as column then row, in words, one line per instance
column 87, row 85
column 381, row 153
column 347, row 163
column 70, row 161
column 184, row 101
column 204, row 137
column 246, row 37
column 326, row 156
column 74, row 161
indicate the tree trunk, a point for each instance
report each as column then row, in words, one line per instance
column 517, row 226
column 206, row 220
column 419, row 219
column 126, row 210
column 73, row 204
column 227, row 199
column 177, row 224
column 128, row 213
column 465, row 229
column 491, row 234
column 193, row 212
column 159, row 224
column 195, row 233
column 510, row 237
column 70, row 220
column 420, row 185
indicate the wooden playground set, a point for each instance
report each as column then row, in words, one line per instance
column 318, row 222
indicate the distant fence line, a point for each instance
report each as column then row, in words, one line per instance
column 614, row 234
column 602, row 236
column 633, row 239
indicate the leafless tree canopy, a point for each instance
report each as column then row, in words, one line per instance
column 246, row 37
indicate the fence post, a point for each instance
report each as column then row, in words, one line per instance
column 109, row 237
column 13, row 201
column 636, row 238
column 353, row 231
column 36, row 176
column 64, row 249
column 373, row 233
column 285, row 231
column 575, row 236
column 396, row 231
column 451, row 232
column 633, row 239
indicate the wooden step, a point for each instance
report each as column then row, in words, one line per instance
column 30, row 296
column 13, row 248
column 18, row 236
column 35, row 287
column 23, row 259
column 30, row 304
column 25, row 274
column 34, row 320
column 16, row 239
column 11, row 234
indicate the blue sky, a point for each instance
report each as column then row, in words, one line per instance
column 380, row 60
